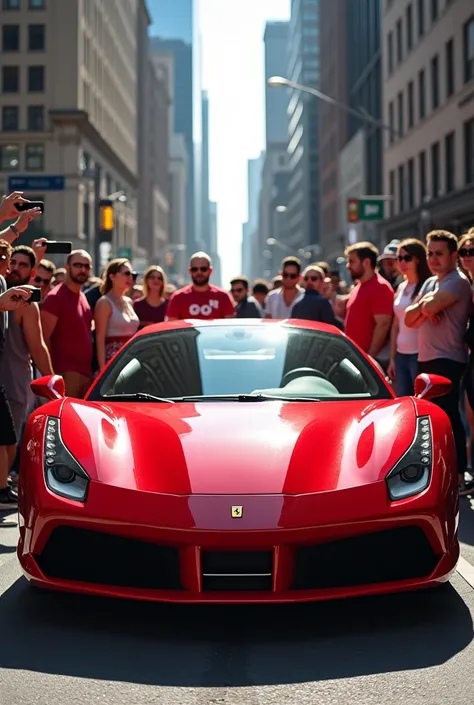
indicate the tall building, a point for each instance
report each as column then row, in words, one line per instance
column 276, row 101
column 429, row 100
column 214, row 244
column 205, row 243
column 175, row 30
column 250, row 228
column 303, row 110
column 275, row 158
column 333, row 122
column 153, row 150
column 69, row 116
column 364, row 82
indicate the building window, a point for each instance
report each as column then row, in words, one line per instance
column 450, row 68
column 390, row 53
column 401, row 117
column 399, row 42
column 34, row 157
column 421, row 17
column 411, row 183
column 10, row 79
column 449, row 161
column 401, row 188
column 434, row 10
column 35, row 118
column 392, row 192
column 469, row 50
column 10, row 118
column 9, row 157
column 391, row 121
column 469, row 150
column 37, row 5
column 421, row 95
column 11, row 37
column 36, row 37
column 435, row 180
column 409, row 23
column 35, row 79
column 411, row 104
column 422, row 172
column 11, row 4
column 434, row 83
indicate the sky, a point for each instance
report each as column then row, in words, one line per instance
column 233, row 75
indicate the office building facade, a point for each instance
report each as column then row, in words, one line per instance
column 429, row 102
column 69, row 115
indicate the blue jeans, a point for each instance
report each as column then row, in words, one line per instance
column 406, row 369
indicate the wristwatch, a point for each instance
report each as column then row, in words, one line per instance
column 14, row 230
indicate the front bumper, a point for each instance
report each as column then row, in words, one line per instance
column 131, row 544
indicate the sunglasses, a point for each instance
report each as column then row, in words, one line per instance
column 81, row 265
column 127, row 274
column 199, row 269
column 287, row 275
column 40, row 280
column 312, row 279
column 405, row 258
column 466, row 252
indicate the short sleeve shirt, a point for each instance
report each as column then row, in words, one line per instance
column 446, row 339
column 150, row 314
column 276, row 306
column 71, row 341
column 202, row 305
column 367, row 300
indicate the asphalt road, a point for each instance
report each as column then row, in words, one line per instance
column 415, row 648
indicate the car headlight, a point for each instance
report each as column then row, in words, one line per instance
column 412, row 474
column 64, row 476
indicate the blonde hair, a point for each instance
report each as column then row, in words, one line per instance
column 153, row 268
column 113, row 267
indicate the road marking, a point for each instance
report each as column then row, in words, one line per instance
column 466, row 571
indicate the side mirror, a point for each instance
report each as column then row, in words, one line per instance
column 431, row 386
column 50, row 387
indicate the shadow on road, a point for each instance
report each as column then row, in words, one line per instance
column 229, row 646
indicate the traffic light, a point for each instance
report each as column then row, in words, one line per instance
column 352, row 210
column 170, row 259
column 106, row 220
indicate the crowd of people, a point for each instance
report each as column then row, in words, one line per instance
column 409, row 308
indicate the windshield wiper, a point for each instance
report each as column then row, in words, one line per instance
column 136, row 396
column 243, row 398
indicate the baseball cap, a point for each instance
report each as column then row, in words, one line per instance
column 390, row 251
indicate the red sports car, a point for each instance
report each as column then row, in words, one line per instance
column 238, row 461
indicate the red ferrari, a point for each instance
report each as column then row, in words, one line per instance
column 238, row 461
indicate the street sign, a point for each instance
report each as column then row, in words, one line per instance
column 125, row 252
column 352, row 210
column 36, row 183
column 371, row 209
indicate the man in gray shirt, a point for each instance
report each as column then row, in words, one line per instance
column 441, row 312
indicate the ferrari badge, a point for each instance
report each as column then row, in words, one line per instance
column 237, row 512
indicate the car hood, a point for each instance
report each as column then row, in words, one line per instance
column 238, row 448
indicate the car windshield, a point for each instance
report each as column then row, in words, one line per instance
column 231, row 360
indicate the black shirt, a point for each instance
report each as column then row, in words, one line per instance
column 314, row 307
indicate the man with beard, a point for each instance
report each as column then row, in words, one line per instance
column 67, row 320
column 23, row 342
column 200, row 300
column 369, row 306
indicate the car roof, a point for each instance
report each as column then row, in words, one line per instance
column 253, row 322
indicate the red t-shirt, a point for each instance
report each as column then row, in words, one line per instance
column 366, row 300
column 71, row 341
column 203, row 305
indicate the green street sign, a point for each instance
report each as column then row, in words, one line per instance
column 124, row 252
column 371, row 209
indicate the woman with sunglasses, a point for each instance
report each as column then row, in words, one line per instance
column 152, row 306
column 115, row 318
column 413, row 265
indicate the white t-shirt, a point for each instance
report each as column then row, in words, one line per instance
column 275, row 303
column 407, row 340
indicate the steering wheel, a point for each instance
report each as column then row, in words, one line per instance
column 301, row 372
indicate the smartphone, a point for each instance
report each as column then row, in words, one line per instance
column 35, row 296
column 58, row 247
column 22, row 207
